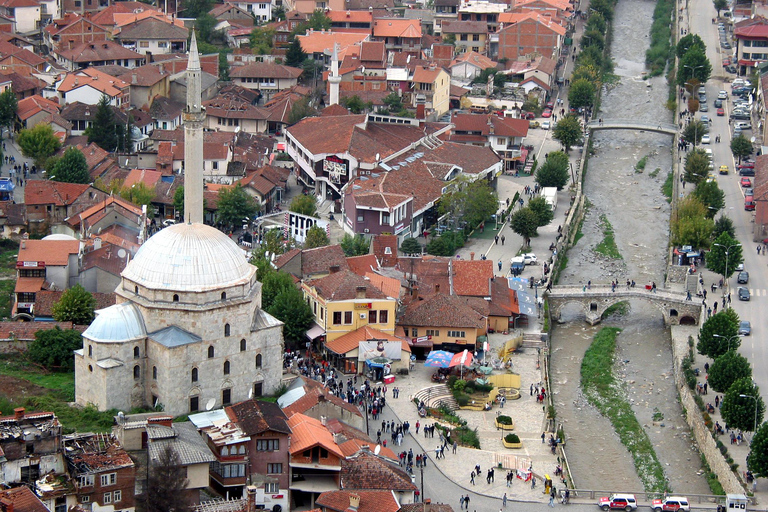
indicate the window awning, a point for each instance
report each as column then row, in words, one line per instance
column 315, row 332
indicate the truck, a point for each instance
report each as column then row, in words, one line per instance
column 550, row 196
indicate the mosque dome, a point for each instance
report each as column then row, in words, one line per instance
column 189, row 258
column 116, row 324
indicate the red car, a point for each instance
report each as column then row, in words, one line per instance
column 726, row 62
column 720, row 112
column 529, row 116
column 550, row 105
column 546, row 113
column 749, row 205
column 746, row 182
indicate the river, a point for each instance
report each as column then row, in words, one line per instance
column 639, row 213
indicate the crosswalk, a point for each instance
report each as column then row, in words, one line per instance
column 760, row 292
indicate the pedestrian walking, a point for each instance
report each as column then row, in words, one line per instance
column 552, row 499
column 496, row 241
column 504, row 500
column 499, row 265
column 455, row 446
column 472, row 478
column 502, row 239
column 461, row 502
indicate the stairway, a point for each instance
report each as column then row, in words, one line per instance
column 437, row 395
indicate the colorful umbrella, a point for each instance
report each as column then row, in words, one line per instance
column 438, row 359
column 462, row 358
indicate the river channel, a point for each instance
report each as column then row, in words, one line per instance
column 636, row 208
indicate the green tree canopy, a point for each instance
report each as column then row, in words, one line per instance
column 588, row 72
column 554, row 171
column 178, row 201
column 724, row 224
column 300, row 110
column 235, row 205
column 593, row 37
column 53, row 348
column 710, row 194
column 690, row 224
column 596, row 22
column 290, row 308
column 542, row 209
column 305, row 204
column 694, row 131
column 166, row 484
column 273, row 283
column 720, row 5
column 356, row 245
column 316, row 237
column 354, row 104
column 278, row 13
column 689, row 41
column 38, row 143
column 71, row 168
column 741, row 147
column 9, row 105
column 568, row 132
column 76, row 305
column 194, row 8
column 140, row 194
column 724, row 256
column 107, row 131
column 757, row 459
column 317, row 21
column 261, row 40
column 718, row 335
column 205, row 25
column 411, row 246
column 694, row 64
column 581, row 94
column 471, row 202
column 739, row 411
column 696, row 166
column 604, row 8
column 727, row 369
column 525, row 223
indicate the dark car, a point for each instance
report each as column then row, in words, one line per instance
column 743, row 277
column 747, row 171
column 718, row 103
column 730, row 69
column 745, row 328
column 741, row 116
column 743, row 293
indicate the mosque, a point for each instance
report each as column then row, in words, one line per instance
column 187, row 332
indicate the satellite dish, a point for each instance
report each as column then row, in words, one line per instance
column 209, row 405
column 378, row 157
column 250, row 393
column 377, row 449
column 121, row 253
column 752, row 140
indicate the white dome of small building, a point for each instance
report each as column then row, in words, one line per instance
column 189, row 258
column 59, row 236
column 116, row 324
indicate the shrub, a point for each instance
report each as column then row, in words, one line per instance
column 511, row 438
column 468, row 437
column 463, row 400
column 503, row 420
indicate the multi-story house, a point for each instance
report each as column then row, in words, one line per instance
column 83, row 6
column 448, row 320
column 482, row 10
column 261, row 10
column 153, row 35
column 470, row 35
column 70, row 31
column 445, row 10
column 98, row 53
column 146, row 83
column 265, row 77
column 399, row 35
column 30, row 442
column 431, row 91
column 89, row 85
column 227, row 112
column 504, row 135
column 751, row 37
column 24, row 13
column 529, row 34
column 51, row 202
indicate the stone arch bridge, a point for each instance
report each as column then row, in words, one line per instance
column 628, row 124
column 598, row 298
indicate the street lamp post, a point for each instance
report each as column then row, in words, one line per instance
column 754, row 431
column 727, row 250
column 727, row 338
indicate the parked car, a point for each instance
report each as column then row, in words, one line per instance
column 743, row 293
column 718, row 103
column 743, row 277
column 749, row 203
column 747, row 171
column 546, row 114
column 529, row 258
column 731, row 69
column 745, row 182
column 744, row 116
column 722, row 95
column 703, row 107
column 745, row 328
column 545, row 125
column 671, row 504
column 743, row 125
column 705, row 139
column 618, row 501
column 705, row 119
column 720, row 112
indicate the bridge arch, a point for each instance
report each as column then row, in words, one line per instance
column 630, row 124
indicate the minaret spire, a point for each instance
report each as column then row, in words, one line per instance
column 333, row 78
column 194, row 118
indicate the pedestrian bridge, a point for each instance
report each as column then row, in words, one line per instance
column 596, row 299
column 629, row 124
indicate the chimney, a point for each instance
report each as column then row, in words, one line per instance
column 97, row 243
column 161, row 68
column 427, row 505
column 18, row 413
column 414, row 292
column 360, row 292
column 472, row 256
column 437, row 287
column 134, row 78
column 323, row 419
column 251, row 498
column 354, row 501
column 23, row 244
column 334, row 268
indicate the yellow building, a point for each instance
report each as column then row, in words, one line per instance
column 343, row 302
column 443, row 322
column 471, row 36
column 433, row 86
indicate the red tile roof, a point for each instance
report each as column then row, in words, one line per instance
column 45, row 300
column 474, row 58
column 22, row 498
column 397, row 27
column 308, row 432
column 351, row 340
column 343, row 285
column 52, row 252
column 57, row 193
column 380, row 244
column 25, row 331
column 264, row 70
column 388, row 285
column 361, row 265
column 367, row 471
column 35, row 104
column 472, row 277
column 370, row 501
column 442, row 310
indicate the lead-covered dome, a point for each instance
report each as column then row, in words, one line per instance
column 189, row 258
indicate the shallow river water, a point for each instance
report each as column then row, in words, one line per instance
column 638, row 211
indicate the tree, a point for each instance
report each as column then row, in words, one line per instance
column 525, row 223
column 588, row 72
column 739, row 411
column 103, row 131
column 718, row 335
column 205, row 25
column 53, row 348
column 261, row 40
column 741, row 147
column 166, row 484
column 470, row 202
column 710, row 194
column 696, row 166
column 449, row 39
column 554, row 171
column 353, row 103
column 194, row 8
column 290, row 308
column 568, row 132
column 720, row 5
column 300, row 110
column 140, row 194
column 690, row 225
column 757, row 459
column 38, row 143
column 725, row 256
column 581, row 94
column 76, row 305
column 724, row 224
column 694, row 131
column 694, row 64
column 693, row 104
column 596, row 22
column 603, row 7
column 317, row 21
column 689, row 41
column 411, row 246
column 727, row 369
column 235, row 205
column 9, row 105
column 273, row 283
column 305, row 204
column 223, row 66
column 278, row 13
column 542, row 209
column 393, row 102
column 178, row 201
column 70, row 168
column 593, row 37
column 356, row 245
column 316, row 237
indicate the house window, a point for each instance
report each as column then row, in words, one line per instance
column 154, row 372
column 463, row 37
column 457, row 334
column 337, row 317
column 117, row 496
column 271, row 488
column 136, row 352
column 359, row 218
column 216, row 164
column 383, row 316
column 161, row 44
column 322, row 313
column 347, row 317
column 85, row 499
column 211, row 352
column 314, row 308
column 108, row 479
column 267, row 445
column 274, row 469
column 415, row 332
column 226, row 396
column 107, row 498
column 85, row 481
column 90, row 350
column 372, row 317
column 136, row 372
column 227, row 330
column 242, row 345
column 258, row 360
column 476, row 37
column 194, row 374
column 385, row 218
column 143, row 44
column 194, row 404
column 223, row 295
column 433, row 332
column 258, row 389
column 226, row 367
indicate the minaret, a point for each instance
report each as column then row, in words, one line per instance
column 194, row 118
column 333, row 78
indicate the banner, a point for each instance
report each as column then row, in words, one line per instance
column 371, row 349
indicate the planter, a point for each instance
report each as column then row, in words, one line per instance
column 503, row 426
column 512, row 445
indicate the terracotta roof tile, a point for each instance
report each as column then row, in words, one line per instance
column 361, row 265
column 465, row 27
column 308, row 432
column 421, row 507
column 388, row 285
column 43, row 192
column 396, row 27
column 351, row 340
column 343, row 285
column 25, row 331
column 34, row 104
column 314, row 393
column 472, row 277
column 45, row 300
column 321, row 259
column 367, row 471
column 256, row 416
column 385, row 249
column 29, row 284
column 370, row 501
column 319, row 42
column 264, row 70
column 441, row 310
column 99, row 51
column 52, row 252
column 22, row 498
